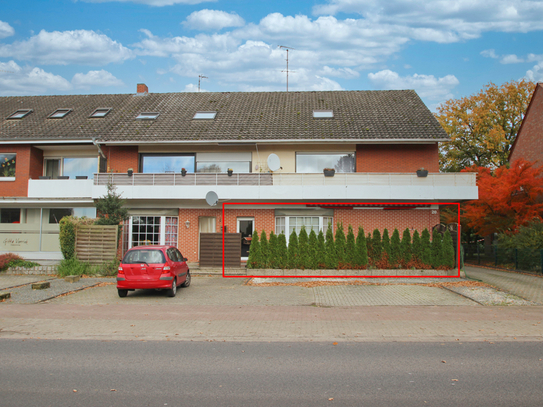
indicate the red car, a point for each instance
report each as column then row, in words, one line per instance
column 153, row 267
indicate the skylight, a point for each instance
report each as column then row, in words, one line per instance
column 205, row 115
column 101, row 112
column 147, row 116
column 59, row 113
column 19, row 114
column 323, row 114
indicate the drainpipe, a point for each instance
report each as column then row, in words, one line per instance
column 98, row 147
column 41, row 226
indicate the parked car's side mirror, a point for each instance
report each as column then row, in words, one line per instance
column 185, row 259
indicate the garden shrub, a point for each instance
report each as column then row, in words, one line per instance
column 254, row 260
column 385, row 242
column 448, row 250
column 7, row 259
column 293, row 254
column 303, row 250
column 73, row 267
column 282, row 254
column 66, row 236
column 339, row 242
column 426, row 248
column 437, row 249
column 395, row 249
column 313, row 250
column 350, row 248
column 321, row 251
column 361, row 259
column 264, row 250
column 369, row 248
column 330, row 249
column 376, row 245
column 272, row 250
column 405, row 247
column 416, row 247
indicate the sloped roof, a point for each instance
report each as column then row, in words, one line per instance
column 398, row 115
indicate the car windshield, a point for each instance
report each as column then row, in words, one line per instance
column 144, row 256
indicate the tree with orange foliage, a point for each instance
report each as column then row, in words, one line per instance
column 508, row 198
column 483, row 126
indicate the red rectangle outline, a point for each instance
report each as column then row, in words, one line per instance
column 338, row 203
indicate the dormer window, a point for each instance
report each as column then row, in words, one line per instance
column 59, row 113
column 323, row 114
column 101, row 112
column 19, row 114
column 147, row 116
column 205, row 115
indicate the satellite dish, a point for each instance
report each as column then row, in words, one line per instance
column 212, row 198
column 273, row 162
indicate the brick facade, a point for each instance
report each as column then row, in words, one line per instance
column 529, row 141
column 121, row 158
column 397, row 158
column 29, row 164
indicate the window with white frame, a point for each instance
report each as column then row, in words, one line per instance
column 146, row 230
column 71, row 166
column 288, row 224
column 7, row 165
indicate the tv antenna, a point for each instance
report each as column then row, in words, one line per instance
column 287, row 71
column 200, row 77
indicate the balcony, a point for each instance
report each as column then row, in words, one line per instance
column 266, row 187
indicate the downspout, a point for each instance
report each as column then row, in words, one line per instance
column 98, row 147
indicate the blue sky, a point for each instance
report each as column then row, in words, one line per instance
column 442, row 49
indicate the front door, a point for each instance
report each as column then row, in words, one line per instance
column 246, row 228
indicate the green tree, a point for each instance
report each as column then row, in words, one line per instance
column 330, row 249
column 361, row 249
column 321, row 251
column 340, row 244
column 264, row 250
column 369, row 245
column 395, row 248
column 437, row 249
column 350, row 248
column 376, row 245
column 483, row 126
column 417, row 246
column 293, row 253
column 386, row 243
column 282, row 252
column 110, row 208
column 255, row 259
column 426, row 247
column 313, row 250
column 273, row 251
column 448, row 250
column 303, row 249
column 405, row 248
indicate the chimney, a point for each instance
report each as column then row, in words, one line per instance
column 142, row 88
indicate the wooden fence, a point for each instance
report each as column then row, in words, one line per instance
column 96, row 244
column 211, row 249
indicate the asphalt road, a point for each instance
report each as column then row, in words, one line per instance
column 118, row 373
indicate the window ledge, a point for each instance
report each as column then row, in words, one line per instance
column 7, row 179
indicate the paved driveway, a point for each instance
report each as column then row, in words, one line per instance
column 523, row 285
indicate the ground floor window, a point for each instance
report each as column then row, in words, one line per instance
column 146, row 230
column 287, row 224
column 10, row 215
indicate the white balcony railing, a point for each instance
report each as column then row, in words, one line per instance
column 176, row 179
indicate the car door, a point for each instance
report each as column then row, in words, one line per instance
column 183, row 266
column 174, row 265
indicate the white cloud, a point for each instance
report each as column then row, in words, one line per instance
column 489, row 53
column 84, row 47
column 95, row 79
column 29, row 81
column 156, row 3
column 511, row 59
column 191, row 87
column 427, row 86
column 444, row 20
column 6, row 30
column 345, row 73
column 212, row 20
column 536, row 73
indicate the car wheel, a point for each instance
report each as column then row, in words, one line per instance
column 122, row 293
column 171, row 292
column 187, row 280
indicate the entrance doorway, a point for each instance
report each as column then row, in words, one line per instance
column 246, row 228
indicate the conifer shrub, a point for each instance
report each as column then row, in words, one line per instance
column 376, row 245
column 321, row 251
column 293, row 254
column 350, row 249
column 405, row 248
column 303, row 250
column 330, row 250
column 386, row 243
column 437, row 248
column 340, row 244
column 395, row 249
column 369, row 246
column 264, row 250
column 313, row 250
column 272, row 250
column 426, row 248
column 282, row 253
column 361, row 259
column 448, row 251
column 416, row 247
column 255, row 260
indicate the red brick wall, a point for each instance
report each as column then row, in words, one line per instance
column 121, row 158
column 397, row 157
column 529, row 144
column 29, row 164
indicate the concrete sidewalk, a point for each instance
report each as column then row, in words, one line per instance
column 529, row 287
